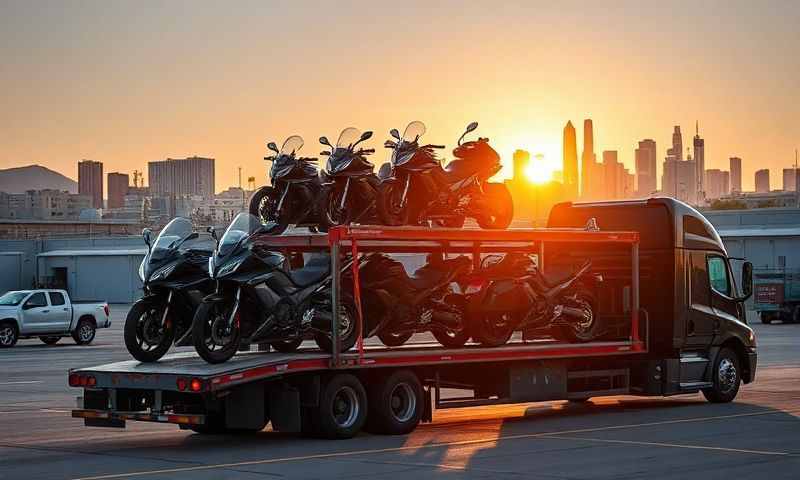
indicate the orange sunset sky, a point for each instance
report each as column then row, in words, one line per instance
column 130, row 82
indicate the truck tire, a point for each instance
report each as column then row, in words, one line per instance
column 49, row 340
column 85, row 331
column 395, row 404
column 766, row 318
column 342, row 408
column 726, row 378
column 9, row 334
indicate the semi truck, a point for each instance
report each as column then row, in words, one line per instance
column 673, row 312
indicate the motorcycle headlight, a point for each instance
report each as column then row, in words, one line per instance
column 281, row 171
column 339, row 166
column 402, row 158
column 163, row 272
column 229, row 268
column 141, row 268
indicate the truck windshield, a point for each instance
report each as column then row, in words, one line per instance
column 12, row 298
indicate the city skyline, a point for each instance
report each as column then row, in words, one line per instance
column 130, row 85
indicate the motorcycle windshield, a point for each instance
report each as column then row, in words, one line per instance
column 170, row 237
column 244, row 225
column 292, row 145
column 413, row 131
column 348, row 137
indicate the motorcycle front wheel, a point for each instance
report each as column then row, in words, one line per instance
column 492, row 329
column 451, row 339
column 212, row 340
column 329, row 208
column 264, row 204
column 499, row 207
column 348, row 333
column 394, row 339
column 391, row 209
column 146, row 338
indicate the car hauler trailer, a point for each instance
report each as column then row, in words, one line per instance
column 390, row 390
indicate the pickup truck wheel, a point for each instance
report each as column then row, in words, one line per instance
column 85, row 332
column 725, row 377
column 342, row 408
column 49, row 340
column 395, row 404
column 8, row 335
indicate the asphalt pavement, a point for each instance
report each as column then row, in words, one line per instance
column 757, row 436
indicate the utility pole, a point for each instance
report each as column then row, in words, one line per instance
column 240, row 186
column 796, row 178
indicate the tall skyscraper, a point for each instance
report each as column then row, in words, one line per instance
column 570, row 167
column 789, row 179
column 676, row 152
column 700, row 162
column 762, row 181
column 717, row 183
column 646, row 168
column 736, row 174
column 90, row 181
column 181, row 177
column 587, row 160
column 521, row 161
column 117, row 189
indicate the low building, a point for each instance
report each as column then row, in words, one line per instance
column 22, row 229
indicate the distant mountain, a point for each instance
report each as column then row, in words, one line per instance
column 34, row 177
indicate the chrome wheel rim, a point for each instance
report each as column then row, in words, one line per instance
column 345, row 407
column 6, row 335
column 402, row 402
column 85, row 332
column 727, row 375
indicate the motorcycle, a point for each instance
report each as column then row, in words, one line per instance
column 351, row 187
column 175, row 280
column 397, row 305
column 419, row 190
column 294, row 186
column 258, row 299
column 510, row 294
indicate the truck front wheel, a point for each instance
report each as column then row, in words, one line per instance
column 725, row 377
column 395, row 404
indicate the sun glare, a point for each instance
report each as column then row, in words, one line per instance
column 539, row 172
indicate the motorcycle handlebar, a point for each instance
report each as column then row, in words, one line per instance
column 437, row 146
column 367, row 150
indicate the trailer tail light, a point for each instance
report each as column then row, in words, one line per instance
column 196, row 385
column 181, row 384
column 76, row 380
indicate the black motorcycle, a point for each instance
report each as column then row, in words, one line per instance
column 175, row 280
column 510, row 293
column 351, row 187
column 419, row 190
column 258, row 299
column 294, row 186
column 397, row 305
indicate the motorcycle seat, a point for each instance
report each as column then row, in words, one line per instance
column 315, row 269
column 434, row 273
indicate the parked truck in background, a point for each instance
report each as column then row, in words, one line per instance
column 777, row 295
column 49, row 315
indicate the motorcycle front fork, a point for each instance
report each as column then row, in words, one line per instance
column 235, row 309
column 283, row 197
column 166, row 310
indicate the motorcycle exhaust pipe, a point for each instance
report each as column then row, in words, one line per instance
column 320, row 319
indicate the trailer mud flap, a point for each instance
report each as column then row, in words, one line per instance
column 538, row 382
column 284, row 409
column 245, row 407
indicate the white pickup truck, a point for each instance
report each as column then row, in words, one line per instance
column 49, row 315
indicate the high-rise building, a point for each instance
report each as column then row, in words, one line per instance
column 676, row 151
column 90, row 181
column 117, row 189
column 182, row 177
column 789, row 179
column 736, row 174
column 700, row 162
column 521, row 161
column 679, row 178
column 588, row 161
column 717, row 183
column 646, row 180
column 570, row 165
column 762, row 181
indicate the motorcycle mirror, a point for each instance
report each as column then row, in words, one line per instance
column 472, row 126
column 324, row 140
column 273, row 147
column 147, row 235
column 393, row 132
column 366, row 135
column 325, row 152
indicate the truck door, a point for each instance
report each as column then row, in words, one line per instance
column 726, row 307
column 701, row 318
column 35, row 313
column 61, row 312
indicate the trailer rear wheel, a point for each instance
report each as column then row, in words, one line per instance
column 725, row 377
column 766, row 318
column 342, row 408
column 395, row 404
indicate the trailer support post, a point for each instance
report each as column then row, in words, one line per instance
column 635, row 294
column 335, row 298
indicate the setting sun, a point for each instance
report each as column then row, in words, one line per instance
column 539, row 171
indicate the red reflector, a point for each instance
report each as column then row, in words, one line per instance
column 196, row 385
column 82, row 381
column 91, row 381
column 181, row 384
column 74, row 380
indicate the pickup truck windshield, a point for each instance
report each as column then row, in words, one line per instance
column 12, row 298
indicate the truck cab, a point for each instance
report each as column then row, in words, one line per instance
column 695, row 312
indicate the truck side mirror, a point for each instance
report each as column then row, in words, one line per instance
column 747, row 280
